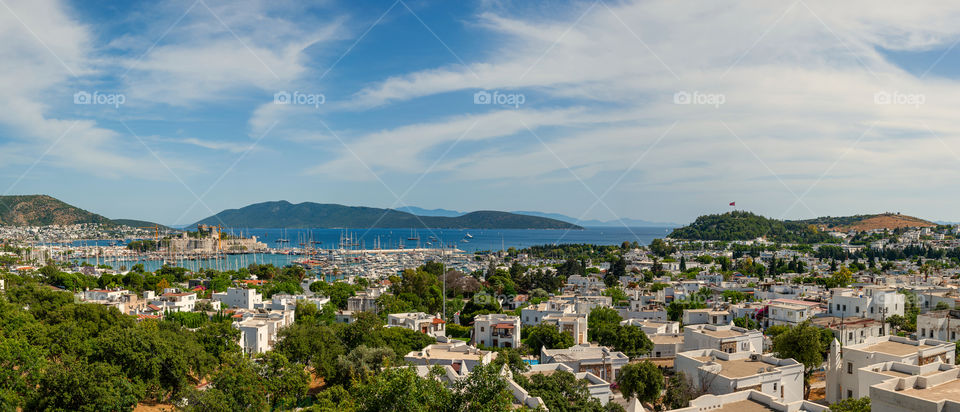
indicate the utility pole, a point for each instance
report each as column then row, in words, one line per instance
column 883, row 321
column 443, row 272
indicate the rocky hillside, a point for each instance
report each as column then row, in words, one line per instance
column 861, row 223
column 42, row 210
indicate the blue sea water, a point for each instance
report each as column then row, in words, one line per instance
column 478, row 240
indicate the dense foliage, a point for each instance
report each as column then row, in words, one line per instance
column 741, row 225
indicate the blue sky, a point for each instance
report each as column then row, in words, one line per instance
column 603, row 109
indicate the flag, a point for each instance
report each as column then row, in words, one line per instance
column 733, row 203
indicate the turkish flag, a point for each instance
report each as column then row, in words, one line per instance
column 733, row 203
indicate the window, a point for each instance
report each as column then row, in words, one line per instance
column 849, row 393
column 871, row 309
column 844, row 308
column 858, row 309
column 774, row 386
column 481, row 329
column 850, row 368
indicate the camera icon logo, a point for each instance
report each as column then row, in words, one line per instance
column 681, row 97
column 281, row 97
column 81, row 97
column 481, row 97
column 882, row 97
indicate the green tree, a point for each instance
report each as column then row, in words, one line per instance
column 483, row 390
column 642, row 379
column 803, row 344
column 361, row 364
column 238, row 386
column 600, row 316
column 851, row 405
column 511, row 357
column 313, row 345
column 400, row 389
column 79, row 386
column 561, row 391
column 546, row 335
column 286, row 383
column 679, row 392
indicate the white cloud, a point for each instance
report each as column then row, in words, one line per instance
column 799, row 81
column 223, row 52
column 42, row 51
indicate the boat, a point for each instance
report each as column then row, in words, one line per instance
column 468, row 236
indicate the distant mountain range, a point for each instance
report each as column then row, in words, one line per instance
column 43, row 210
column 556, row 216
column 317, row 215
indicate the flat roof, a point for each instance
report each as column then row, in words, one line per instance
column 728, row 333
column 895, row 348
column 666, row 339
column 949, row 390
column 745, row 406
column 740, row 368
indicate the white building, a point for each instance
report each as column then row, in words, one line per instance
column 789, row 312
column 174, row 301
column 598, row 360
column 928, row 388
column 258, row 330
column 721, row 373
column 534, row 314
column 870, row 302
column 364, row 301
column 455, row 353
column 848, row 372
column 573, row 324
column 254, row 335
column 729, row 338
column 940, row 325
column 654, row 327
column 851, row 331
column 748, row 401
column 707, row 316
column 418, row 321
column 284, row 301
column 665, row 346
column 239, row 298
column 496, row 330
column 125, row 301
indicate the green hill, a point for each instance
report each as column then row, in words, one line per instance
column 137, row 223
column 739, row 225
column 42, row 210
column 316, row 215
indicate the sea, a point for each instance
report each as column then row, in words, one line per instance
column 469, row 240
